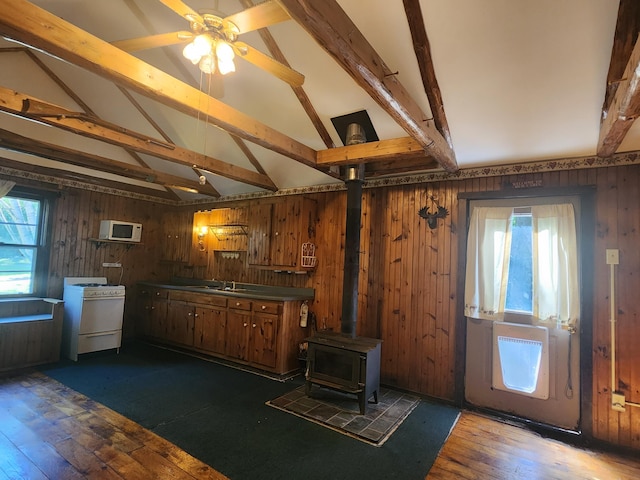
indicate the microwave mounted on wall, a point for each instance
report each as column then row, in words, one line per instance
column 118, row 230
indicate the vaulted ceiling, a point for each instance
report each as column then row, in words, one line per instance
column 446, row 84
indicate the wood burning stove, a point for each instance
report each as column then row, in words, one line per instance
column 350, row 365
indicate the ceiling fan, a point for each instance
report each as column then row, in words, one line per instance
column 213, row 39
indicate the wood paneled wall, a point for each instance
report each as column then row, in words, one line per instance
column 76, row 219
column 409, row 273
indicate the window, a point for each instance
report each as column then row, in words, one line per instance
column 23, row 249
column 520, row 274
column 523, row 260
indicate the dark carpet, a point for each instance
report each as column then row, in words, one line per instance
column 341, row 411
column 219, row 415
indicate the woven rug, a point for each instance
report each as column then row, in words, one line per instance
column 340, row 411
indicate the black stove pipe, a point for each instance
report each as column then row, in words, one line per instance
column 354, row 180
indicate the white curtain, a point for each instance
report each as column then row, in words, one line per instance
column 555, row 264
column 556, row 297
column 488, row 249
column 5, row 187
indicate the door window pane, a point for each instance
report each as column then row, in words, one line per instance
column 520, row 280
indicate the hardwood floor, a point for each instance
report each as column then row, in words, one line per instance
column 483, row 448
column 48, row 431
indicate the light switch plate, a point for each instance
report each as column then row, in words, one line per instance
column 613, row 256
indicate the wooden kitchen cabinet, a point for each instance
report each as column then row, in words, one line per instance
column 210, row 329
column 250, row 331
column 180, row 323
column 152, row 312
column 176, row 236
column 259, row 241
column 263, row 338
column 277, row 231
column 238, row 329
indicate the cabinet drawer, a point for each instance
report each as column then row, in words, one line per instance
column 152, row 292
column 95, row 342
column 267, row 307
column 239, row 304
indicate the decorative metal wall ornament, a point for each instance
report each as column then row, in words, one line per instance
column 432, row 218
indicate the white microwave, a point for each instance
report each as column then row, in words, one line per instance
column 117, row 230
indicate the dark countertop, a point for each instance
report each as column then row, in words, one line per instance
column 242, row 290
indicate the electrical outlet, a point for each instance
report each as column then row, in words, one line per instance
column 617, row 402
column 613, row 256
column 114, row 264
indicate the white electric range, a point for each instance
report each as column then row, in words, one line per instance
column 93, row 313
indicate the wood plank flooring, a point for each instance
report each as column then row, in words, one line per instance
column 48, row 431
column 483, row 448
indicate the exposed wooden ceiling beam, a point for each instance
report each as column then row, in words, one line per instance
column 392, row 167
column 62, row 173
column 18, row 143
column 26, row 106
column 330, row 26
column 31, row 25
column 612, row 128
column 422, row 49
column 623, row 109
column 397, row 150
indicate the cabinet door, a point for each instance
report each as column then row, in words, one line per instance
column 259, row 242
column 143, row 313
column 237, row 339
column 210, row 329
column 158, row 318
column 263, row 343
column 180, row 323
column 177, row 228
column 284, row 234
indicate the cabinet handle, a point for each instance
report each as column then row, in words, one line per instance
column 237, row 304
column 263, row 307
column 245, row 324
column 189, row 313
column 254, row 325
column 195, row 315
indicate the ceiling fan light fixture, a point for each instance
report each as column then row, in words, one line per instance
column 226, row 66
column 203, row 44
column 189, row 52
column 224, row 52
column 208, row 64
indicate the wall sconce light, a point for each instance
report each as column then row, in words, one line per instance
column 202, row 232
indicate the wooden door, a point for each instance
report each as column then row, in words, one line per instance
column 259, row 241
column 180, row 323
column 264, row 340
column 210, row 329
column 284, row 233
column 237, row 334
column 158, row 318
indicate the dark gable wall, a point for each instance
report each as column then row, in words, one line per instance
column 409, row 274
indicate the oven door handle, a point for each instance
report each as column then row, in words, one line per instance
column 100, row 334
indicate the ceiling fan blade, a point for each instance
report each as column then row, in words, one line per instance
column 259, row 59
column 184, row 10
column 258, row 16
column 152, row 41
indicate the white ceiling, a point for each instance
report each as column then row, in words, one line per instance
column 520, row 80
